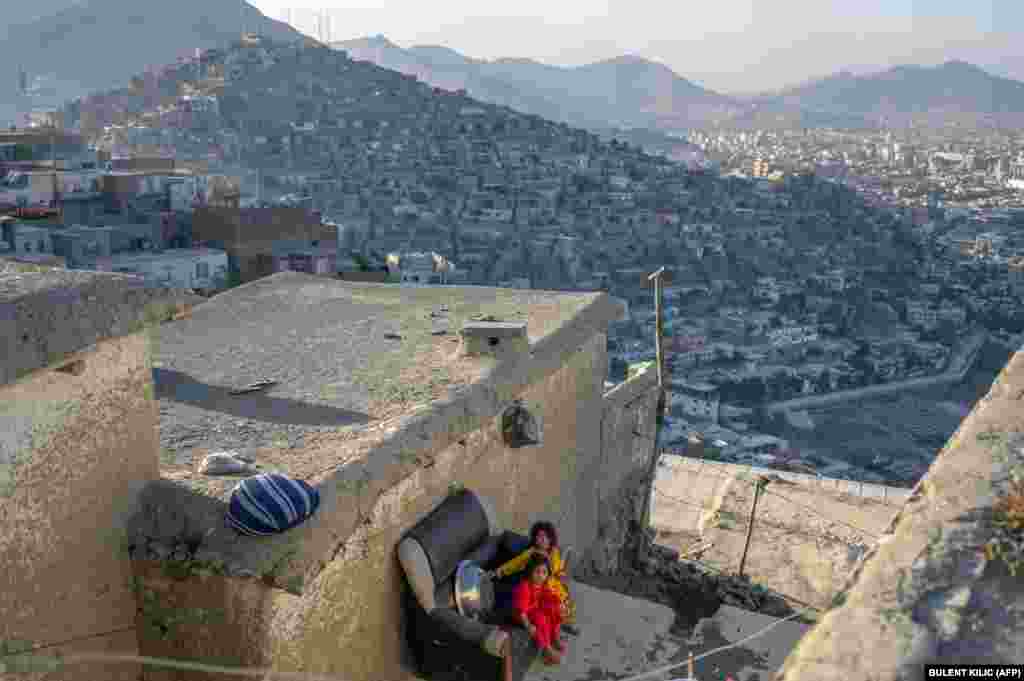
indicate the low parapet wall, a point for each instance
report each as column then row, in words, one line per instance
column 700, row 481
column 808, row 532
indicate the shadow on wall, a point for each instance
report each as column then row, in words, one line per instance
column 180, row 387
column 167, row 512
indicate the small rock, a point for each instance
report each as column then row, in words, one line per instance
column 207, row 556
column 180, row 555
column 160, row 551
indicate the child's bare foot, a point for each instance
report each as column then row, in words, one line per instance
column 551, row 656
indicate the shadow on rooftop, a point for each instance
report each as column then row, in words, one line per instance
column 180, row 387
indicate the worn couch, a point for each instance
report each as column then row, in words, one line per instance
column 446, row 645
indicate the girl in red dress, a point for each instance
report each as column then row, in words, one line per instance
column 539, row 609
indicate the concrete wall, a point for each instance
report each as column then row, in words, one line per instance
column 347, row 619
column 83, row 447
column 808, row 533
column 932, row 589
column 689, row 486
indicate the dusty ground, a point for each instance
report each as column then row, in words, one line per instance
column 690, row 602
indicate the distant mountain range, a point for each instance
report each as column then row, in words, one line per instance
column 88, row 45
column 952, row 93
column 632, row 92
column 625, row 92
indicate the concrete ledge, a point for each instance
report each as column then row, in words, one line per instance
column 927, row 591
column 46, row 315
column 397, row 449
column 856, row 488
column 497, row 339
column 631, row 389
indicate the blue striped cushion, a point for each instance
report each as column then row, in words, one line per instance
column 270, row 504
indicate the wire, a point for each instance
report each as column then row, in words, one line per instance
column 678, row 500
column 768, row 490
column 815, row 512
column 257, row 672
column 57, row 644
column 662, row 670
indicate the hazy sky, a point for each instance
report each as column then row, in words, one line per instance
column 726, row 45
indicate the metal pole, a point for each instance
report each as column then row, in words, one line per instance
column 53, row 157
column 658, row 325
column 758, row 484
column 646, row 510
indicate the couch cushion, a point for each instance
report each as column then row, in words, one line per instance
column 451, row 531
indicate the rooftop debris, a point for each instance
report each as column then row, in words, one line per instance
column 254, row 387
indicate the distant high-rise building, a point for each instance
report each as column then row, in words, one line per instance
column 1015, row 176
column 22, row 82
column 1001, row 168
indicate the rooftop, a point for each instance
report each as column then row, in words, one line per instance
column 347, row 359
column 42, row 311
column 165, row 255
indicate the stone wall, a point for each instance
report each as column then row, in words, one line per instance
column 628, row 436
column 84, row 442
column 346, row 620
column 934, row 588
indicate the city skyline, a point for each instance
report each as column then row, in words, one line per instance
column 734, row 46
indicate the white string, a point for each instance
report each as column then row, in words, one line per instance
column 662, row 670
column 74, row 658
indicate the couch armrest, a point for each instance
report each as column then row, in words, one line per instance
column 485, row 554
column 489, row 638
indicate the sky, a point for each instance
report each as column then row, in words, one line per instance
column 734, row 46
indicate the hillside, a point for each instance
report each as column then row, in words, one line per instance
column 954, row 92
column 625, row 92
column 98, row 44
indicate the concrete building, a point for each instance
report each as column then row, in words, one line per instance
column 699, row 400
column 1015, row 175
column 26, row 239
column 78, row 442
column 249, row 235
column 382, row 418
column 181, row 268
column 300, row 256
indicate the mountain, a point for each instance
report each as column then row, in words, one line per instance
column 16, row 14
column 96, row 44
column 953, row 92
column 626, row 92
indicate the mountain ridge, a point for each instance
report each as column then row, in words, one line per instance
column 954, row 91
column 615, row 92
column 83, row 46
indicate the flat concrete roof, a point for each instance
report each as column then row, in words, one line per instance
column 346, row 357
column 49, row 313
column 623, row 636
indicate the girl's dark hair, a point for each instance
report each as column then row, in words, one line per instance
column 536, row 560
column 548, row 529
